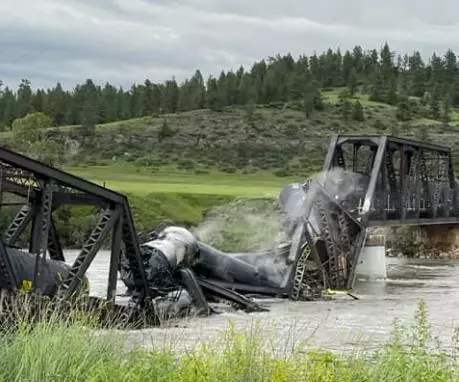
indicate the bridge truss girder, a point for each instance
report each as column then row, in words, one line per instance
column 404, row 181
column 334, row 239
column 370, row 180
column 42, row 190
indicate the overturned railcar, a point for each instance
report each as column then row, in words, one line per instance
column 321, row 253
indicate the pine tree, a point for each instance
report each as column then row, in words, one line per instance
column 387, row 65
column 212, row 94
column 403, row 112
column 312, row 99
column 417, row 75
column 348, row 66
column 391, row 95
column 352, row 82
column 171, row 96
column 378, row 89
column 446, row 115
column 164, row 131
column 24, row 98
column 308, row 103
column 357, row 112
column 435, row 103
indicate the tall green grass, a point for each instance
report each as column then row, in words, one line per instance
column 72, row 351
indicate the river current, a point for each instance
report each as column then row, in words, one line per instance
column 341, row 324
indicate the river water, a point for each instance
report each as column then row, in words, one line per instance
column 342, row 324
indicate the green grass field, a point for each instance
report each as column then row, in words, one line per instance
column 142, row 181
column 180, row 197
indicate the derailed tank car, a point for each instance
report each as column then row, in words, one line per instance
column 174, row 270
column 50, row 272
column 302, row 268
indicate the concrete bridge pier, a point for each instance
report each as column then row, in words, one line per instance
column 372, row 261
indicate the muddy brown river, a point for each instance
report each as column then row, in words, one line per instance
column 342, row 324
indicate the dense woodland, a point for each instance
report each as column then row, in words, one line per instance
column 383, row 75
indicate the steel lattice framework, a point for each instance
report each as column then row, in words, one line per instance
column 394, row 182
column 44, row 189
column 404, row 182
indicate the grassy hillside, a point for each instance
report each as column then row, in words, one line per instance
column 277, row 139
column 176, row 166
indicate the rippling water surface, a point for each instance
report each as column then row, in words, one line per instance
column 340, row 324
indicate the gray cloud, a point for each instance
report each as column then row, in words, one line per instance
column 125, row 41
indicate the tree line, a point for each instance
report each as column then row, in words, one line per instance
column 382, row 74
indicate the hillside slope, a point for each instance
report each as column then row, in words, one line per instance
column 278, row 138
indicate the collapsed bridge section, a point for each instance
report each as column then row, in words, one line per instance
column 325, row 245
column 370, row 180
column 41, row 190
column 367, row 181
column 324, row 242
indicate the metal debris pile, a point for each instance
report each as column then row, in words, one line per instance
column 319, row 253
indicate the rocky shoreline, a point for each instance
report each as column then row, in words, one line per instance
column 432, row 243
column 427, row 254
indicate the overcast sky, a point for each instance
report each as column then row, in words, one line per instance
column 126, row 41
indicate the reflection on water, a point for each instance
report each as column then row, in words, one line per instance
column 338, row 324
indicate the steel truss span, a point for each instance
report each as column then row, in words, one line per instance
column 366, row 181
column 396, row 181
column 42, row 190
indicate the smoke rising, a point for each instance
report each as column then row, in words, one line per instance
column 343, row 184
column 243, row 225
column 248, row 225
column 258, row 224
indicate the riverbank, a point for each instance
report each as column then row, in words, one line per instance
column 436, row 242
column 74, row 353
column 428, row 254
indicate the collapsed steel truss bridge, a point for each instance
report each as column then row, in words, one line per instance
column 366, row 181
column 42, row 190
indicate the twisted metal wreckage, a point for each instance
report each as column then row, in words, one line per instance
column 325, row 220
column 300, row 269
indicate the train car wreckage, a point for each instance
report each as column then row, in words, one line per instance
column 174, row 271
column 321, row 254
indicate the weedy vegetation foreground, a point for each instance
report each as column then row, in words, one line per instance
column 73, row 350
